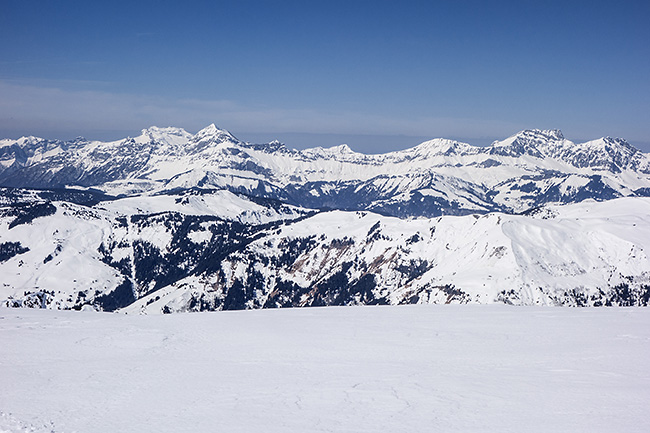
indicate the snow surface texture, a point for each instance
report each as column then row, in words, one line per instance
column 363, row 369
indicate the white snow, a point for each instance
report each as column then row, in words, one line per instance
column 352, row 369
column 70, row 238
column 199, row 237
column 173, row 158
column 223, row 204
column 590, row 245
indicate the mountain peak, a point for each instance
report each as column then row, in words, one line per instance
column 24, row 141
column 210, row 137
column 441, row 146
column 620, row 142
column 528, row 142
column 341, row 148
column 210, row 129
column 545, row 134
column 169, row 136
column 165, row 130
column 612, row 154
column 329, row 152
column 29, row 139
column 213, row 131
column 534, row 135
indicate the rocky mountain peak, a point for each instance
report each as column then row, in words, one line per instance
column 533, row 142
column 607, row 153
column 209, row 137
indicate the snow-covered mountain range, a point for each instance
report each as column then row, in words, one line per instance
column 437, row 177
column 170, row 221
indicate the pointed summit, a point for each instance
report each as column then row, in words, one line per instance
column 215, row 133
column 210, row 136
column 210, row 129
column 341, row 148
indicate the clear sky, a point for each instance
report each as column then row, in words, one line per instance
column 378, row 75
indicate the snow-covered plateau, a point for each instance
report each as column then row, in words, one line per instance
column 471, row 368
column 171, row 222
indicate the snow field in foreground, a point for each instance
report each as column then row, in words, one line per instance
column 351, row 369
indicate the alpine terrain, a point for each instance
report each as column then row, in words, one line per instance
column 171, row 221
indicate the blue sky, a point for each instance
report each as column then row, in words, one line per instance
column 378, row 75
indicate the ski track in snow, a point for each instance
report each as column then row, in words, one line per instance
column 352, row 369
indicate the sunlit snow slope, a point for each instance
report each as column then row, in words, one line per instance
column 130, row 254
column 585, row 254
column 362, row 369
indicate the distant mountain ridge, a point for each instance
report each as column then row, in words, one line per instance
column 437, row 177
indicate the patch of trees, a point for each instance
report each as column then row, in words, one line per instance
column 11, row 249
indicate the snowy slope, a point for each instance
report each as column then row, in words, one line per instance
column 198, row 251
column 63, row 255
column 584, row 254
column 363, row 369
column 219, row 203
